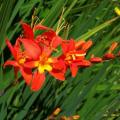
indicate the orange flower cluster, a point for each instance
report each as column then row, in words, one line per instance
column 34, row 55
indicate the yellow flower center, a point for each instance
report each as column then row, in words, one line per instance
column 44, row 65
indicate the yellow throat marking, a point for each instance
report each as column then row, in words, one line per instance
column 45, row 66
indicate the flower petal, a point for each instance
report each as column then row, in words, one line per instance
column 41, row 27
column 32, row 48
column 49, row 35
column 68, row 46
column 59, row 65
column 38, row 81
column 12, row 50
column 58, row 74
column 46, row 51
column 74, row 69
column 27, row 74
column 59, row 70
column 56, row 41
column 84, row 63
column 28, row 32
column 17, row 46
column 31, row 64
column 11, row 62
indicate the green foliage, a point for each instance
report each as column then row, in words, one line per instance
column 94, row 93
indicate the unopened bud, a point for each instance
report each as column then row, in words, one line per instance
column 87, row 45
column 57, row 111
column 63, row 118
column 113, row 46
column 79, row 44
column 76, row 117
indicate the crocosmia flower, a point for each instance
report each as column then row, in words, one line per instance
column 42, row 62
column 19, row 59
column 72, row 57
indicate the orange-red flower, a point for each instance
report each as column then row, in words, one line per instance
column 20, row 58
column 72, row 57
column 43, row 62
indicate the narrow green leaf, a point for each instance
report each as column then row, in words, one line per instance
column 96, row 29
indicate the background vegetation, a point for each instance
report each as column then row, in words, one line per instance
column 94, row 93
